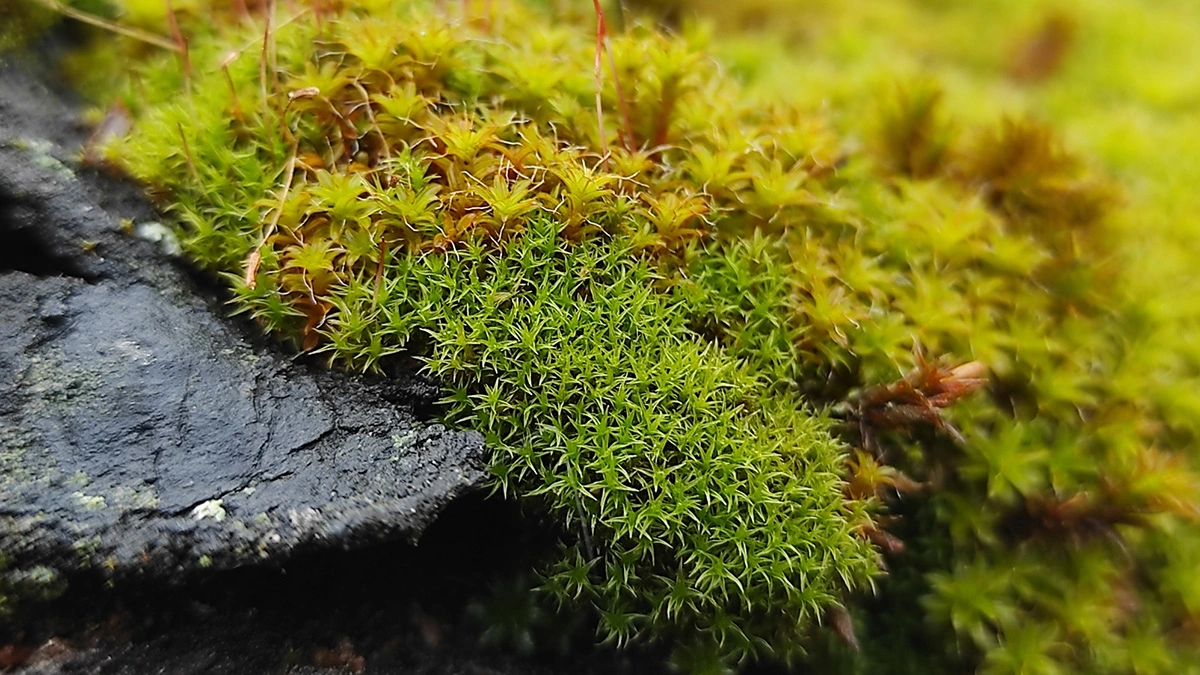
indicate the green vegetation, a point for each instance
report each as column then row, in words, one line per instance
column 417, row 185
column 729, row 334
column 19, row 21
column 1059, row 537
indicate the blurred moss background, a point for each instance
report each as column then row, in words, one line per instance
column 1118, row 79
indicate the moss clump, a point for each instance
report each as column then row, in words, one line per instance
column 441, row 187
column 662, row 318
column 700, row 496
column 1041, row 543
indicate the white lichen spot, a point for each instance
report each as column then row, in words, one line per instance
column 41, row 152
column 160, row 234
column 213, row 509
column 135, row 351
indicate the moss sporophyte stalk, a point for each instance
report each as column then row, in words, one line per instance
column 721, row 344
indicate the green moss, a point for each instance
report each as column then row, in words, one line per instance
column 20, row 23
column 673, row 321
column 1075, row 481
column 419, row 186
column 661, row 447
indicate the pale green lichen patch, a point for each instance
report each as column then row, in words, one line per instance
column 39, row 583
column 89, row 502
column 211, row 510
column 53, row 380
column 13, row 447
column 40, row 152
column 127, row 498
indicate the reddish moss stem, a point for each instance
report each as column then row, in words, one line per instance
column 182, row 44
column 602, row 45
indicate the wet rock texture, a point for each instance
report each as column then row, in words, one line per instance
column 141, row 429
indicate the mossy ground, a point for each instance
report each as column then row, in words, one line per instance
column 430, row 185
column 713, row 330
column 1061, row 582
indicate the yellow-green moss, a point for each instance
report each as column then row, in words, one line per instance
column 1075, row 485
column 440, row 187
column 662, row 320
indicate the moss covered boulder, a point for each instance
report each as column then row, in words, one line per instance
column 772, row 354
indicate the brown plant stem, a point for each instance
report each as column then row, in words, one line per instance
column 187, row 153
column 255, row 257
column 181, row 41
column 99, row 22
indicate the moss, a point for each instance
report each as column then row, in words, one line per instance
column 1056, row 536
column 20, row 23
column 674, row 320
column 423, row 187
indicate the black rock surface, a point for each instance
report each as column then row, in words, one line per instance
column 142, row 431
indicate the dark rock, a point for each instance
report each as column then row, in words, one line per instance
column 141, row 430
